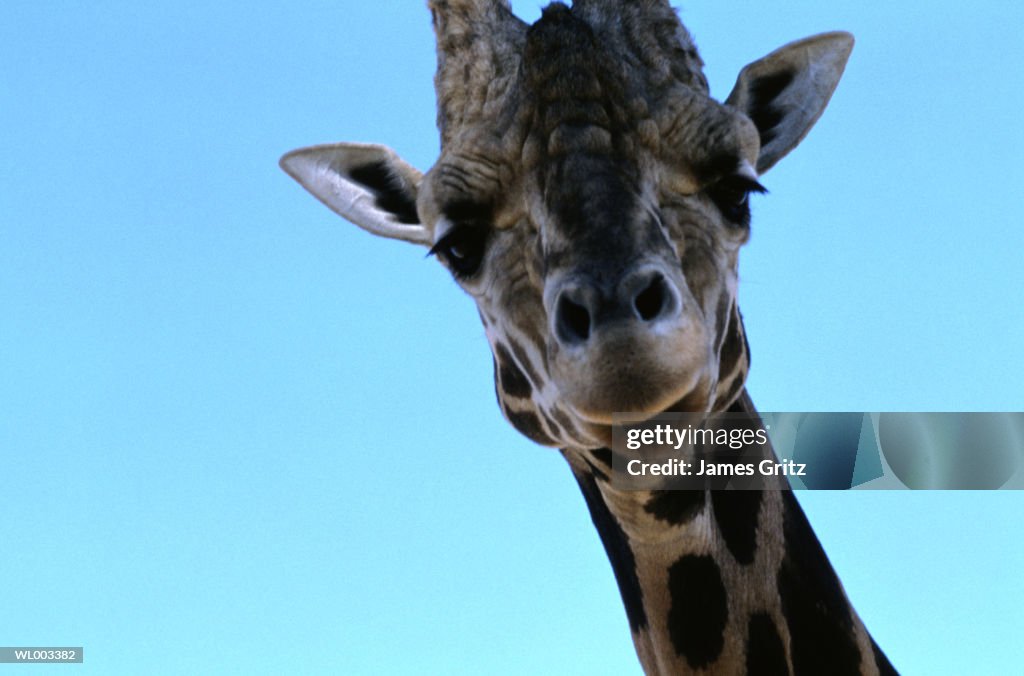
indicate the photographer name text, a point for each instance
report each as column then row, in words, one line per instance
column 703, row 468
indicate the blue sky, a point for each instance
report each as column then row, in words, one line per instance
column 237, row 434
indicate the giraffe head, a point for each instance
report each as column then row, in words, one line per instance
column 592, row 198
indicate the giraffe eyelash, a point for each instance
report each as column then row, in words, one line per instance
column 461, row 249
column 732, row 197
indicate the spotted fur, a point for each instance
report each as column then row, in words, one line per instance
column 593, row 198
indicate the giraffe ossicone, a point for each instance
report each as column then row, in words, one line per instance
column 592, row 198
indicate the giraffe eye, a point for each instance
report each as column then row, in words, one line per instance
column 732, row 197
column 462, row 249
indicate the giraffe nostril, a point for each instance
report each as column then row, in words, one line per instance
column 650, row 302
column 573, row 321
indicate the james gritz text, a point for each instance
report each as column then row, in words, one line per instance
column 667, row 435
column 702, row 468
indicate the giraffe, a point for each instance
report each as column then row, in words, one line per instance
column 592, row 198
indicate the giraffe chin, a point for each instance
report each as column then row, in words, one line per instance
column 629, row 394
column 598, row 425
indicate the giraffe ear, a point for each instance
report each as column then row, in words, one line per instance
column 785, row 92
column 367, row 184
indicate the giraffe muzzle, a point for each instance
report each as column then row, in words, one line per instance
column 625, row 344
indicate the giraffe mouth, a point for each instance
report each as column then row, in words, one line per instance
column 636, row 375
column 694, row 400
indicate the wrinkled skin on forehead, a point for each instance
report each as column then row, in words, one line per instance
column 590, row 173
column 592, row 198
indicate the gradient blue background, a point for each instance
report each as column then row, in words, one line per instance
column 237, row 434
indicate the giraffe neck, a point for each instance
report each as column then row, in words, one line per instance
column 728, row 582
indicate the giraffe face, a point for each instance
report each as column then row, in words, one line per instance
column 605, row 279
column 592, row 198
column 599, row 237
